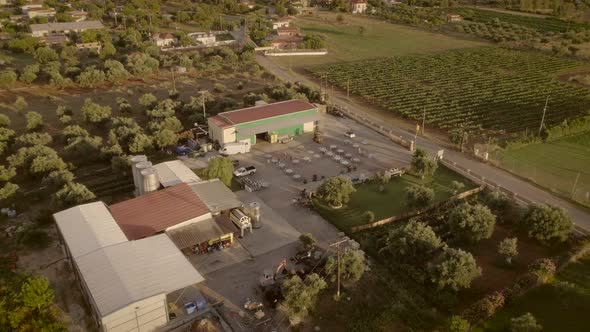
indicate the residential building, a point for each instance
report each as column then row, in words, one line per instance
column 62, row 28
column 32, row 6
column 287, row 31
column 96, row 46
column 54, row 40
column 286, row 43
column 171, row 173
column 32, row 13
column 78, row 15
column 264, row 122
column 205, row 38
column 358, row 6
column 163, row 39
column 281, row 22
column 452, row 18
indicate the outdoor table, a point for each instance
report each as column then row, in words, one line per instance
column 365, row 142
column 295, row 161
column 306, row 158
column 348, row 142
column 348, row 155
column 296, row 176
column 281, row 165
column 337, row 158
column 329, row 153
column 344, row 162
column 310, row 151
column 333, row 147
column 355, row 146
column 356, row 160
column 274, row 160
column 289, row 171
column 340, row 151
column 267, row 156
column 316, row 156
column 322, row 149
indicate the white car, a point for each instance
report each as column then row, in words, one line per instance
column 350, row 134
column 243, row 171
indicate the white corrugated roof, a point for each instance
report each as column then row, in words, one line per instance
column 216, row 195
column 174, row 172
column 128, row 272
column 88, row 227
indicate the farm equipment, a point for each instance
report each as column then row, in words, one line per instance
column 252, row 305
column 269, row 277
column 301, row 256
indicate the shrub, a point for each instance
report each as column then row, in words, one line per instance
column 458, row 324
column 547, row 224
column 336, row 190
column 307, row 240
column 454, row 269
column 471, row 223
column 419, row 196
column 543, row 270
column 369, row 216
column 34, row 238
column 508, row 248
column 525, row 323
column 34, row 121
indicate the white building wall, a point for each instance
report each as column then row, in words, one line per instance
column 192, row 221
column 308, row 127
column 222, row 135
column 145, row 315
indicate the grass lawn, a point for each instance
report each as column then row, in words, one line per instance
column 380, row 39
column 554, row 165
column 560, row 306
column 391, row 202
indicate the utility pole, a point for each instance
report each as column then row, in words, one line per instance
column 423, row 120
column 348, row 89
column 203, row 92
column 543, row 118
column 337, row 245
column 575, row 185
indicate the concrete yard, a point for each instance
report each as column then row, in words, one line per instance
column 233, row 273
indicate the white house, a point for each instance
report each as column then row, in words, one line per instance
column 62, row 28
column 163, row 39
column 358, row 6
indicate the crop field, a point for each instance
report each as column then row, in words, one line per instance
column 540, row 24
column 559, row 306
column 562, row 166
column 480, row 88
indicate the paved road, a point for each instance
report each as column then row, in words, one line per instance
column 522, row 188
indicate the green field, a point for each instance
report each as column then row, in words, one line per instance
column 391, row 201
column 559, row 306
column 487, row 87
column 380, row 39
column 554, row 165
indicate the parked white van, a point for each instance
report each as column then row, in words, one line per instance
column 235, row 148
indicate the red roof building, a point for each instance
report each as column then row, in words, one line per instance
column 158, row 211
column 256, row 113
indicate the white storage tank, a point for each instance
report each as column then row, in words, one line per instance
column 138, row 168
column 150, row 180
column 134, row 161
column 255, row 215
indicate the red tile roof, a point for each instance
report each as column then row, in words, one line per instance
column 219, row 121
column 265, row 111
column 154, row 212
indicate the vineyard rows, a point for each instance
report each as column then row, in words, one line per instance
column 541, row 24
column 484, row 88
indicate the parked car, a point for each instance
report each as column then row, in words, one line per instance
column 350, row 134
column 243, row 171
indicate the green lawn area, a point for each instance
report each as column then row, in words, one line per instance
column 554, row 165
column 391, row 201
column 559, row 306
column 380, row 39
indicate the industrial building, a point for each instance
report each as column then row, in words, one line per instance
column 131, row 256
column 124, row 282
column 265, row 122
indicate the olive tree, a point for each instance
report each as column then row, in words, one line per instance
column 458, row 324
column 94, row 113
column 33, row 139
column 508, row 248
column 148, row 100
column 454, row 269
column 7, row 79
column 72, row 194
column 91, row 77
column 20, row 104
column 165, row 138
column 352, row 266
column 4, row 121
column 220, row 168
column 419, row 196
column 301, row 295
column 115, row 71
column 547, row 223
column 525, row 323
column 6, row 173
column 34, row 120
column 413, row 242
column 336, row 190
column 57, row 179
column 29, row 73
column 471, row 223
column 423, row 165
column 8, row 191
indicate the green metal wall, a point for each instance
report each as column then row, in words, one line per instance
column 291, row 130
